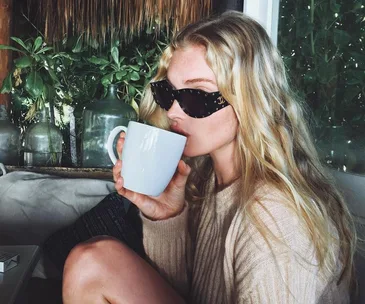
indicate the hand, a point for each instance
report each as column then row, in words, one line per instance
column 168, row 204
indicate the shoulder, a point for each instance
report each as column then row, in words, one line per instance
column 268, row 226
column 274, row 211
column 271, row 208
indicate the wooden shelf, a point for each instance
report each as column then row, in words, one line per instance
column 95, row 173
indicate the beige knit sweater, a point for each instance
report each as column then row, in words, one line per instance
column 213, row 255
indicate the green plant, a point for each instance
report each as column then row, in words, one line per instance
column 322, row 43
column 130, row 68
column 33, row 75
column 70, row 74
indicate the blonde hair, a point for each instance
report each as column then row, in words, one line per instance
column 279, row 150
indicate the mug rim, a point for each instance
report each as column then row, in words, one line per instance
column 159, row 129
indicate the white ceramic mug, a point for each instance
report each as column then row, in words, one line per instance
column 150, row 157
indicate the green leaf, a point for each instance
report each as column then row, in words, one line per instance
column 121, row 74
column 34, row 84
column 37, row 57
column 78, row 46
column 107, row 79
column 135, row 68
column 135, row 106
column 7, row 84
column 341, row 38
column 326, row 71
column 150, row 53
column 98, row 61
column 20, row 42
column 23, row 62
column 45, row 49
column 53, row 76
column 359, row 58
column 37, row 43
column 8, row 47
column 334, row 6
column 115, row 54
column 140, row 61
column 304, row 28
column 351, row 92
column 49, row 92
column 131, row 90
column 134, row 76
column 357, row 77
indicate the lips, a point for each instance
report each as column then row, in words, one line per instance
column 176, row 129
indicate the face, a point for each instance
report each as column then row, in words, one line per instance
column 188, row 69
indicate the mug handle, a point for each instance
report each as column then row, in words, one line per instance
column 110, row 141
column 2, row 168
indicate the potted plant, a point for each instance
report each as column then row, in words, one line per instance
column 34, row 79
column 127, row 75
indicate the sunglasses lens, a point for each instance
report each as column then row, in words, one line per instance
column 193, row 103
column 163, row 94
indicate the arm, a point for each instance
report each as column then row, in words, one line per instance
column 167, row 245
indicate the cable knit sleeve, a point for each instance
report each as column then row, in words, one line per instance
column 168, row 248
column 280, row 269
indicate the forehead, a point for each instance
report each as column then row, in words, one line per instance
column 189, row 63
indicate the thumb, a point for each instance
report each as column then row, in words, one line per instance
column 182, row 174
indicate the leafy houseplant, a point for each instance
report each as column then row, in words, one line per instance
column 130, row 71
column 33, row 75
column 322, row 43
column 323, row 50
column 70, row 74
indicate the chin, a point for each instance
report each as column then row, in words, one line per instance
column 188, row 152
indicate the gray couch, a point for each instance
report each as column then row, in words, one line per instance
column 33, row 206
column 353, row 189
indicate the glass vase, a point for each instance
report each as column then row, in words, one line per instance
column 43, row 143
column 98, row 119
column 9, row 139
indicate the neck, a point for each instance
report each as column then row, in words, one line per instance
column 225, row 165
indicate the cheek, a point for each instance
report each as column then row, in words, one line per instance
column 211, row 134
column 200, row 139
column 196, row 146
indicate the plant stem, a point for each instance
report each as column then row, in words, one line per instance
column 40, row 33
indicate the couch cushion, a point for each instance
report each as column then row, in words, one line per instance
column 33, row 206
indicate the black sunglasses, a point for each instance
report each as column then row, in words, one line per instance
column 194, row 102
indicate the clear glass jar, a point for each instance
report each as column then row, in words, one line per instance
column 99, row 119
column 43, row 143
column 9, row 139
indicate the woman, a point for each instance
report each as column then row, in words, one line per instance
column 250, row 217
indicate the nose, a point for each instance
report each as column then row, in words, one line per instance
column 175, row 112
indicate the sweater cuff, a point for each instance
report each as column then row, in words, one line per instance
column 171, row 228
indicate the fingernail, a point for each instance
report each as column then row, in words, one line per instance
column 122, row 135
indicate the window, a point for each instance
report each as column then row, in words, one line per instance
column 322, row 43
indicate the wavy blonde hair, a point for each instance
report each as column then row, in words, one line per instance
column 279, row 150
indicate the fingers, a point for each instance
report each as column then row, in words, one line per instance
column 183, row 171
column 120, row 144
column 116, row 170
column 136, row 198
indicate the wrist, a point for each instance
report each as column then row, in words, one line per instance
column 166, row 216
